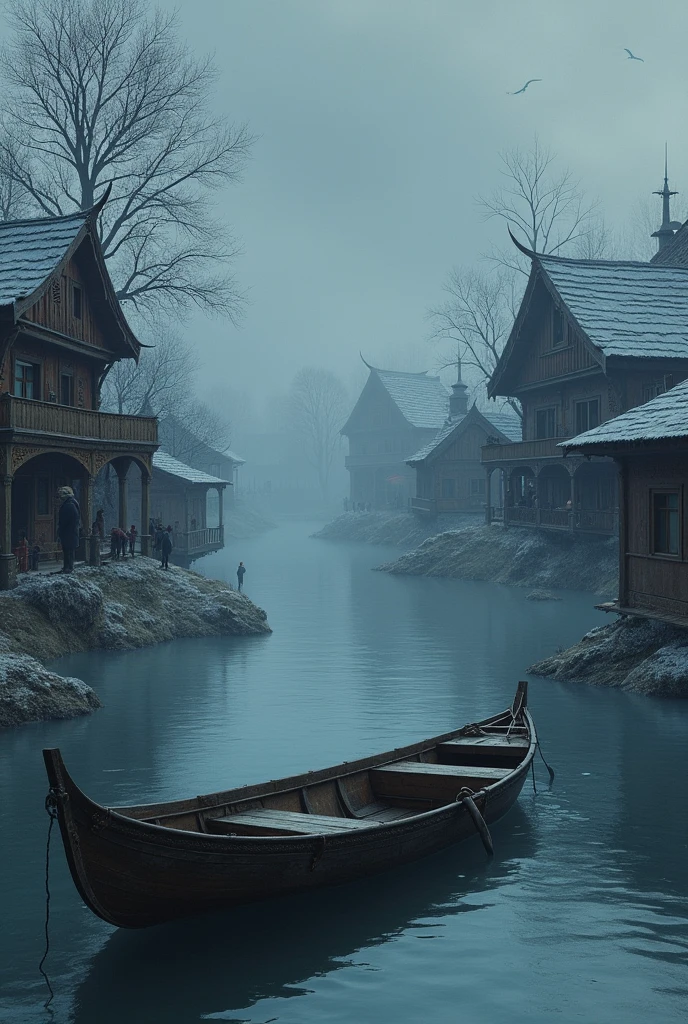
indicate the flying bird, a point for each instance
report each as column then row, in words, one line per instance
column 632, row 56
column 524, row 87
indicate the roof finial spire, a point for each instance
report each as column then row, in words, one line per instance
column 665, row 232
column 458, row 400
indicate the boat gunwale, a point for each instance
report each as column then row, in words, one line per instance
column 184, row 837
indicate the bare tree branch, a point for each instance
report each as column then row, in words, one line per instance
column 102, row 91
column 316, row 411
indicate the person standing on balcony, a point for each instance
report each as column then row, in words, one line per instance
column 69, row 518
column 241, row 572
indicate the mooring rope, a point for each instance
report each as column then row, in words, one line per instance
column 550, row 770
column 51, row 808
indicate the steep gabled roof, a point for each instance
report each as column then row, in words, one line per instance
column 675, row 252
column 423, row 401
column 450, row 430
column 663, row 417
column 622, row 308
column 168, row 464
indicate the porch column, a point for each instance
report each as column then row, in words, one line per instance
column 572, row 513
column 220, row 499
column 8, row 561
column 145, row 513
column 86, row 517
column 488, row 495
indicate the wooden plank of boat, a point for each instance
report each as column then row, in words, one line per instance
column 141, row 865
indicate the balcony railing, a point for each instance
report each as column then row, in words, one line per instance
column 48, row 418
column 200, row 540
column 600, row 521
column 521, row 451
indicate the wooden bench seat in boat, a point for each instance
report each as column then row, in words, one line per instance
column 415, row 780
column 267, row 821
column 497, row 750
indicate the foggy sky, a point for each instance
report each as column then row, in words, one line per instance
column 380, row 121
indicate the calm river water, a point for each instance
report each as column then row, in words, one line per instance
column 582, row 915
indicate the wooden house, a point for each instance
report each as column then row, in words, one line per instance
column 649, row 444
column 61, row 329
column 180, row 499
column 395, row 416
column 449, row 473
column 180, row 442
column 592, row 339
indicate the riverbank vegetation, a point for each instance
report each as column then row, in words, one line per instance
column 117, row 606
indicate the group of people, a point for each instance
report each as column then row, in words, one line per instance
column 120, row 540
column 357, row 506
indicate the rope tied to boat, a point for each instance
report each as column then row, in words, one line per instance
column 471, row 730
column 465, row 796
column 51, row 809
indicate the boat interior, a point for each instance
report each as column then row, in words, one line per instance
column 382, row 792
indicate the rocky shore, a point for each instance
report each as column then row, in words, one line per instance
column 400, row 529
column 119, row 606
column 637, row 655
column 518, row 557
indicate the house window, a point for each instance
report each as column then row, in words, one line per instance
column 25, row 379
column 558, row 328
column 545, row 423
column 478, row 486
column 448, row 487
column 42, row 496
column 66, row 389
column 587, row 415
column 665, row 523
column 76, row 301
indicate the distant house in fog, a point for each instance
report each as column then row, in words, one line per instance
column 181, row 443
column 449, row 474
column 396, row 415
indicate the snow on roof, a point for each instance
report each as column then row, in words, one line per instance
column 498, row 420
column 168, row 464
column 422, row 400
column 229, row 454
column 675, row 252
column 30, row 250
column 663, row 417
column 626, row 309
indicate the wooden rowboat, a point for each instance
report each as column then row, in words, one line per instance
column 138, row 866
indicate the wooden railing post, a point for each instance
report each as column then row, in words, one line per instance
column 145, row 513
column 8, row 561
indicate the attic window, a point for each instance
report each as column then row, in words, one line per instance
column 558, row 328
column 56, row 291
column 76, row 302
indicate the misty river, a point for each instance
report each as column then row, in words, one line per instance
column 582, row 915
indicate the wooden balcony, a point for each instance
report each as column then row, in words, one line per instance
column 30, row 417
column 521, row 451
column 603, row 522
column 196, row 543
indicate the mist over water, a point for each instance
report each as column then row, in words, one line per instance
column 581, row 915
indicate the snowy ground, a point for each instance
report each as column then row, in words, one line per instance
column 399, row 528
column 633, row 654
column 119, row 606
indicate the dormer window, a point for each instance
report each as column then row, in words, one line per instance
column 558, row 328
column 76, row 302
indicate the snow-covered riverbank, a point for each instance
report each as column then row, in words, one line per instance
column 398, row 528
column 633, row 654
column 118, row 606
column 518, row 557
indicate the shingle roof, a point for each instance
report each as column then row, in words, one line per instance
column 675, row 252
column 229, row 454
column 663, row 417
column 168, row 464
column 422, row 400
column 626, row 309
column 30, row 250
column 498, row 420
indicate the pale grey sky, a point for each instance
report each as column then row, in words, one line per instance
column 380, row 121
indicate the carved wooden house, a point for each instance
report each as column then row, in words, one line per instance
column 61, row 329
column 592, row 339
column 649, row 444
column 449, row 473
column 396, row 414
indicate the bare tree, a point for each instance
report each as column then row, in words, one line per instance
column 546, row 206
column 317, row 407
column 193, row 428
column 100, row 92
column 476, row 319
column 160, row 381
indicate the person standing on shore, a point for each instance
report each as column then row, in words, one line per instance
column 68, row 521
column 166, row 548
column 132, row 540
column 241, row 572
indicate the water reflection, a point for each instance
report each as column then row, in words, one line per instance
column 232, row 961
